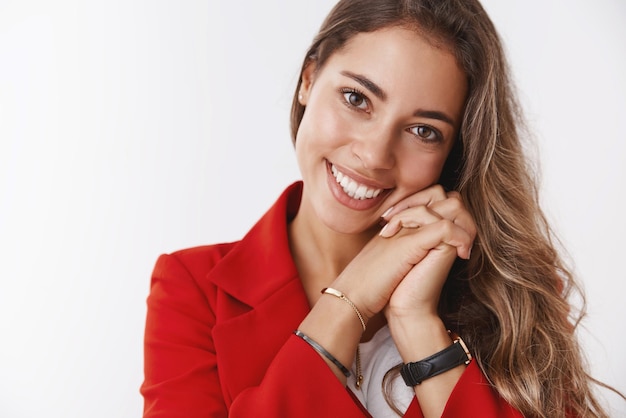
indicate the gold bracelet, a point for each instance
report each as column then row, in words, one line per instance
column 337, row 293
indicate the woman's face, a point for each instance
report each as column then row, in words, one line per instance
column 381, row 117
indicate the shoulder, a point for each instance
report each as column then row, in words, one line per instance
column 262, row 255
column 196, row 261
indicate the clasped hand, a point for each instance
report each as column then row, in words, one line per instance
column 403, row 269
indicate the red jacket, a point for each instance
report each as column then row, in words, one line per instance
column 219, row 337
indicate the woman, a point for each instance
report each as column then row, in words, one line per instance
column 403, row 116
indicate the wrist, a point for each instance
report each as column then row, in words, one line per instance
column 340, row 295
column 451, row 357
column 414, row 312
column 359, row 297
column 419, row 337
column 334, row 325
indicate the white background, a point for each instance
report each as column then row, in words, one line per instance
column 132, row 128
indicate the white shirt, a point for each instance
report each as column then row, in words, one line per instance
column 378, row 355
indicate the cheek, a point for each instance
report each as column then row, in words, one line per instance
column 324, row 125
column 421, row 171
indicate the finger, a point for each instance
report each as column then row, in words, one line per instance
column 414, row 217
column 454, row 210
column 434, row 234
column 451, row 208
column 422, row 198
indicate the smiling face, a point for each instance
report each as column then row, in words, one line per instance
column 381, row 117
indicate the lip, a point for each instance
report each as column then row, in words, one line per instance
column 346, row 200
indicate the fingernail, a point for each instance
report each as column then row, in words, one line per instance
column 382, row 231
column 469, row 253
column 387, row 212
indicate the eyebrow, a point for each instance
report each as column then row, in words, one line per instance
column 434, row 114
column 380, row 93
column 367, row 83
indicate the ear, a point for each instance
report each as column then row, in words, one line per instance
column 308, row 77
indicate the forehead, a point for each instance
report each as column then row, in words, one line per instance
column 405, row 63
column 400, row 43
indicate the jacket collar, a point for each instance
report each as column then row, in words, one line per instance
column 261, row 263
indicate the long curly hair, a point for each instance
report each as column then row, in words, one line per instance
column 510, row 302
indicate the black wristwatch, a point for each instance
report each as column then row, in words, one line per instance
column 446, row 359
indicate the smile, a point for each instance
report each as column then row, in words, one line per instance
column 352, row 188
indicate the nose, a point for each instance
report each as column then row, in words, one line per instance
column 374, row 148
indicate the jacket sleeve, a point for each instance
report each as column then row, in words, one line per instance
column 474, row 397
column 298, row 383
column 181, row 367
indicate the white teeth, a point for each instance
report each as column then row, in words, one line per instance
column 352, row 188
column 361, row 191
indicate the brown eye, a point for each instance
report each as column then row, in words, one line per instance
column 426, row 133
column 355, row 99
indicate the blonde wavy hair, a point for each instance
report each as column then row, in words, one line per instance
column 510, row 302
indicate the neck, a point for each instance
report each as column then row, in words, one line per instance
column 321, row 254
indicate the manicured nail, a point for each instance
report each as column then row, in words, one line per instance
column 387, row 212
column 382, row 231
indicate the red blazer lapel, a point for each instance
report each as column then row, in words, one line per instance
column 259, row 298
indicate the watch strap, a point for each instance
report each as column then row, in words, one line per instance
column 440, row 362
